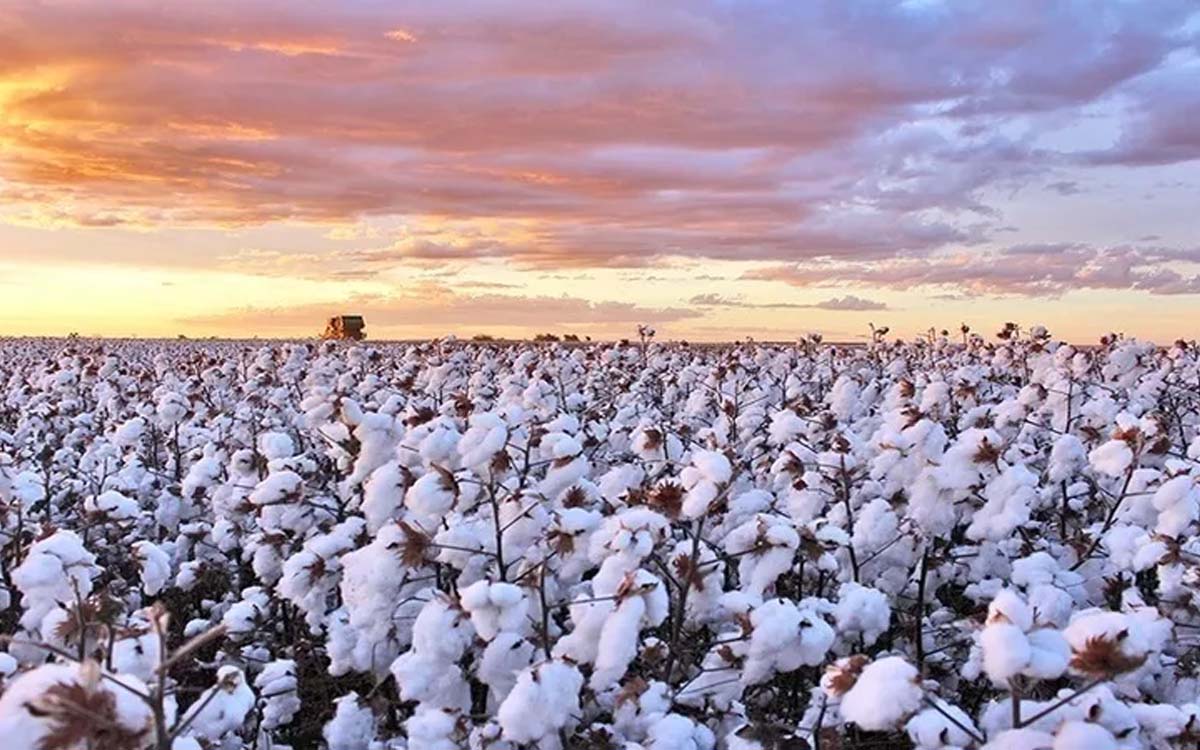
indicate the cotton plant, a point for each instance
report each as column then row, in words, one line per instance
column 382, row 588
column 623, row 597
column 309, row 579
column 428, row 671
column 56, row 572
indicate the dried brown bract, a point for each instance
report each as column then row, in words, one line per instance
column 841, row 675
column 415, row 547
column 1103, row 657
column 667, row 498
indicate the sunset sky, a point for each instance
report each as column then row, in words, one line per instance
column 721, row 169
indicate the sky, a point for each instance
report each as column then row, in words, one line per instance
column 725, row 169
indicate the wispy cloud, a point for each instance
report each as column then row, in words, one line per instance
column 847, row 303
column 1025, row 270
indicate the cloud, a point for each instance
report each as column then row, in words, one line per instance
column 1161, row 125
column 1023, row 270
column 580, row 134
column 850, row 302
column 847, row 303
column 432, row 305
column 1065, row 187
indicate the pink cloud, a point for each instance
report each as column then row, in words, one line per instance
column 620, row 132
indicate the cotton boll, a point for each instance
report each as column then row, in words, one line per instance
column 766, row 546
column 377, row 435
column 278, row 488
column 1102, row 641
column 1007, row 606
column 352, row 726
column 243, row 618
column 631, row 536
column 1011, row 646
column 712, row 465
column 1009, row 498
column 862, row 610
column 784, row 637
column 428, row 672
column 432, row 496
column 703, row 480
column 113, row 506
column 172, row 408
column 885, row 693
column 276, row 685
column 433, row 729
column 875, row 525
column 1080, row 735
column 785, row 427
column 55, row 569
column 1165, row 722
column 1178, row 504
column 276, row 445
column 138, row 653
column 222, row 708
column 1049, row 654
column 542, row 702
column 155, row 566
column 652, row 446
column 676, row 732
column 1021, row 739
column 433, row 682
column 503, row 659
column 383, row 494
column 8, row 666
column 130, row 432
column 441, row 629
column 932, row 730
column 495, row 608
column 1112, row 458
column 1067, row 458
column 1006, row 652
column 440, row 446
column 483, row 440
column 619, row 479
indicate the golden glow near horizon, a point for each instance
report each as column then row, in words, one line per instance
column 226, row 169
column 120, row 301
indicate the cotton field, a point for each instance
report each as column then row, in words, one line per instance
column 954, row 542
